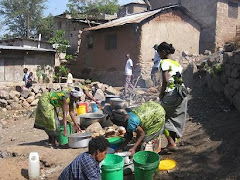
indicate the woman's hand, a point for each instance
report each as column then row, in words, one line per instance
column 65, row 132
column 132, row 150
column 78, row 128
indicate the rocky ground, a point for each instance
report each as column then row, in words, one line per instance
column 210, row 148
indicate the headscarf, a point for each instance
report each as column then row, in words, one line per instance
column 76, row 92
column 118, row 117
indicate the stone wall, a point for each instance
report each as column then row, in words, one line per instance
column 231, row 61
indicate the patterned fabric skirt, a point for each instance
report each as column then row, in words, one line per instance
column 46, row 117
column 176, row 110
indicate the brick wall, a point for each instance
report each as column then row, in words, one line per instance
column 225, row 25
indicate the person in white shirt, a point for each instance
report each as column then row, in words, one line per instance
column 155, row 73
column 128, row 73
column 69, row 77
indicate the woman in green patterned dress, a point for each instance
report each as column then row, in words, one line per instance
column 147, row 120
column 46, row 114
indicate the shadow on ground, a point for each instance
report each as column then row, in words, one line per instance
column 210, row 148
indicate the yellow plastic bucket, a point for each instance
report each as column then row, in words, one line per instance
column 81, row 109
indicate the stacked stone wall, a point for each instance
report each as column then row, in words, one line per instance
column 231, row 64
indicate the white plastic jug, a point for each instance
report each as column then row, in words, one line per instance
column 33, row 166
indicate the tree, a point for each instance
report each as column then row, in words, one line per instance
column 22, row 16
column 60, row 41
column 45, row 27
column 92, row 8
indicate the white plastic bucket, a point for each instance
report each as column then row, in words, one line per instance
column 33, row 166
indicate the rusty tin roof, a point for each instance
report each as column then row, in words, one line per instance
column 140, row 17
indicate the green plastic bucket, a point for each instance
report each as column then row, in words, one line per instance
column 145, row 164
column 62, row 140
column 115, row 142
column 112, row 167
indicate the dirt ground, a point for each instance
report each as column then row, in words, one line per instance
column 209, row 150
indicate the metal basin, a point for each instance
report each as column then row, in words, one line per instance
column 90, row 118
column 117, row 103
column 79, row 140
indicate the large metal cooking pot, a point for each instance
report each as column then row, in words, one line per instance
column 108, row 97
column 116, row 103
column 79, row 140
column 90, row 118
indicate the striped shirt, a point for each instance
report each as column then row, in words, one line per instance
column 83, row 167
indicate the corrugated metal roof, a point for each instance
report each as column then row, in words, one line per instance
column 131, row 19
column 138, row 18
column 25, row 48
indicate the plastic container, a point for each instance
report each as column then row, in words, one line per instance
column 112, row 167
column 125, row 155
column 33, row 166
column 94, row 107
column 145, row 164
column 62, row 140
column 115, row 142
column 82, row 108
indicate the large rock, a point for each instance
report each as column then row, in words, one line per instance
column 35, row 102
column 4, row 94
column 188, row 75
column 217, row 85
column 94, row 128
column 110, row 90
column 16, row 106
column 236, row 58
column 13, row 94
column 32, row 94
column 8, row 107
column 38, row 95
column 100, row 95
column 19, row 88
column 236, row 101
column 99, row 85
column 235, row 73
column 25, row 104
column 236, row 84
column 3, row 103
column 36, row 88
column 15, row 99
column 30, row 99
column 25, row 93
column 10, row 101
column 229, row 92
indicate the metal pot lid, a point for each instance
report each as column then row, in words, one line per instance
column 112, row 96
column 91, row 116
column 80, row 135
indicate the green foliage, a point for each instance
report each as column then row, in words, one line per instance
column 39, row 73
column 62, row 73
column 92, row 8
column 45, row 27
column 69, row 57
column 214, row 69
column 22, row 16
column 60, row 41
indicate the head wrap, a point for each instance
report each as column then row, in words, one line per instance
column 76, row 92
column 155, row 46
column 118, row 117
